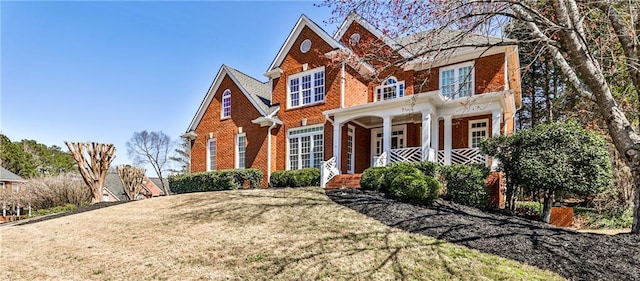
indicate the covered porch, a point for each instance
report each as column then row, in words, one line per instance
column 421, row 127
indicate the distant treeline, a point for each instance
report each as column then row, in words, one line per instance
column 30, row 159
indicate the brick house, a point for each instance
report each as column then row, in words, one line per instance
column 314, row 112
column 113, row 190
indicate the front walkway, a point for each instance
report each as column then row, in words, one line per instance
column 576, row 256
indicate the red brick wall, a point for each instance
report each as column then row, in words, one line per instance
column 489, row 74
column 225, row 131
column 460, row 131
column 356, row 91
column 291, row 118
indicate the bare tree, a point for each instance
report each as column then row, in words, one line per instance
column 151, row 148
column 93, row 163
column 131, row 178
column 576, row 34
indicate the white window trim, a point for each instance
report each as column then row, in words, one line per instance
column 209, row 154
column 297, row 76
column 471, row 130
column 2, row 185
column 237, row 151
column 288, row 160
column 353, row 148
column 222, row 117
column 455, row 67
column 396, row 85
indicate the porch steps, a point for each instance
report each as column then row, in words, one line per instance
column 344, row 181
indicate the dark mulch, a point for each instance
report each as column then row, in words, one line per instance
column 576, row 256
column 68, row 213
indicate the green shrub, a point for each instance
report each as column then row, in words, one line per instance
column 428, row 168
column 373, row 178
column 396, row 170
column 209, row 181
column 611, row 218
column 465, row 184
column 280, row 179
column 296, row 178
column 250, row 177
column 529, row 208
column 54, row 210
column 416, row 188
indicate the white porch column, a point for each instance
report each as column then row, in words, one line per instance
column 447, row 139
column 337, row 142
column 386, row 136
column 435, row 136
column 496, row 118
column 426, row 135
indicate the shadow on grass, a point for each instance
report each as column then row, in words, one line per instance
column 372, row 253
column 573, row 255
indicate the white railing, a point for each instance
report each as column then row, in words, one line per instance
column 464, row 156
column 328, row 170
column 380, row 161
column 409, row 154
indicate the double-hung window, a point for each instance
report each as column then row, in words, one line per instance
column 391, row 88
column 241, row 151
column 226, row 104
column 211, row 155
column 306, row 147
column 457, row 80
column 306, row 88
column 478, row 130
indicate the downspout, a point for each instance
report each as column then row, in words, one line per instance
column 273, row 125
column 342, row 85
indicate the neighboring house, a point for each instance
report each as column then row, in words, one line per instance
column 9, row 187
column 312, row 112
column 9, row 181
column 113, row 190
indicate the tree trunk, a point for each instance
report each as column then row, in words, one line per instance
column 546, row 207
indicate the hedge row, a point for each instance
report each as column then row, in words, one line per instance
column 215, row 180
column 416, row 182
column 296, row 178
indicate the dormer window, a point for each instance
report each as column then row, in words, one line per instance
column 226, row 104
column 390, row 89
column 457, row 80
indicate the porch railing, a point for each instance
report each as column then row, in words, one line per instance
column 464, row 156
column 380, row 161
column 328, row 170
column 409, row 154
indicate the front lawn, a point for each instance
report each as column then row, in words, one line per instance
column 280, row 234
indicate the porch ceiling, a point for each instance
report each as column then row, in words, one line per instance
column 373, row 121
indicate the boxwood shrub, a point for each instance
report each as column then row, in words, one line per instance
column 296, row 178
column 416, row 188
column 412, row 182
column 373, row 178
column 215, row 180
column 466, row 184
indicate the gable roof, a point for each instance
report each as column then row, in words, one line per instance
column 429, row 40
column 354, row 17
column 293, row 35
column 113, row 184
column 258, row 93
column 6, row 175
column 157, row 183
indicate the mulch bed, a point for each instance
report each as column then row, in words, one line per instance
column 576, row 256
column 68, row 213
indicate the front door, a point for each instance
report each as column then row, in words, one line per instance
column 377, row 138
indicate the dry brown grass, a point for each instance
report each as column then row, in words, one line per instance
column 280, row 234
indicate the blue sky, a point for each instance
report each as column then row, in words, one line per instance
column 100, row 71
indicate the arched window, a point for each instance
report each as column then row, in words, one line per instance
column 390, row 89
column 226, row 104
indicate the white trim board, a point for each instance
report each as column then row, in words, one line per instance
column 295, row 32
column 224, row 71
